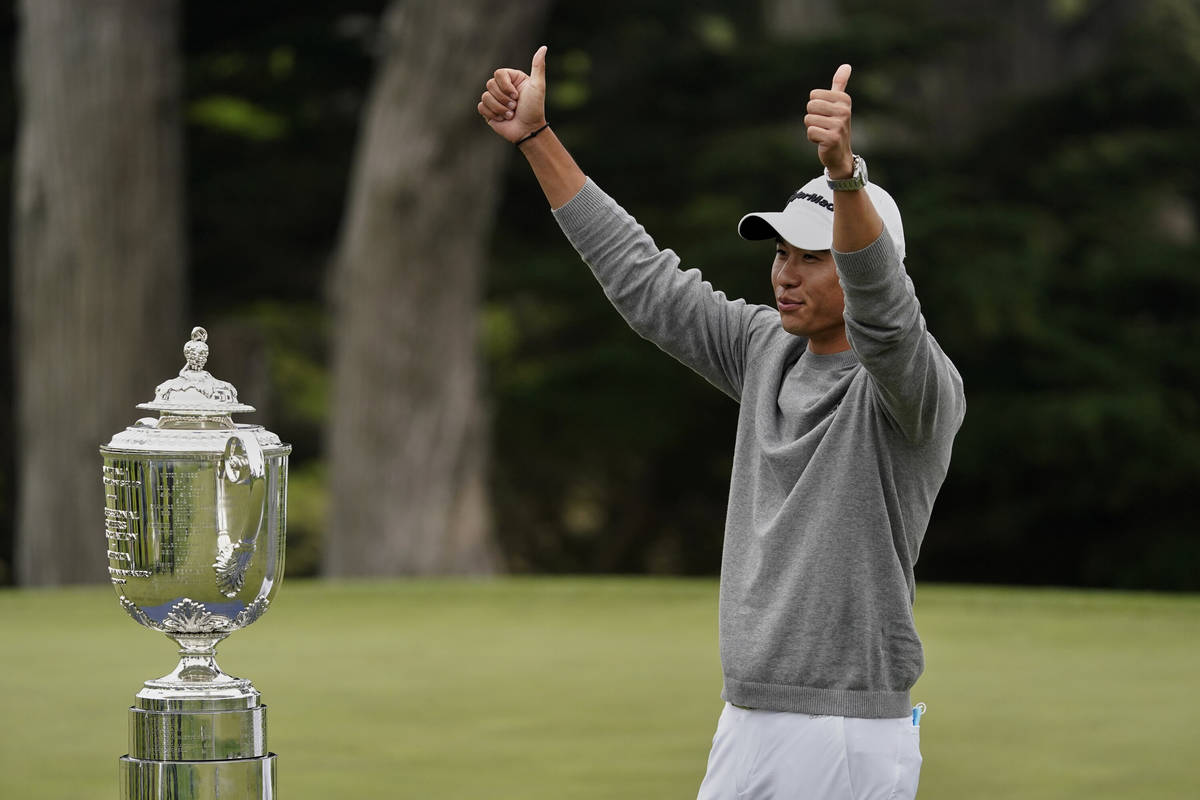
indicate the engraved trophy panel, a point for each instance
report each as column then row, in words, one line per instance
column 123, row 501
column 195, row 517
column 179, row 529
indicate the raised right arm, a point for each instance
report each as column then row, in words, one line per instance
column 675, row 309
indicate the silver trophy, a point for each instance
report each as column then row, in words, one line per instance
column 194, row 513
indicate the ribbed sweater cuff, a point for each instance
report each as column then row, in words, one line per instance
column 581, row 210
column 866, row 266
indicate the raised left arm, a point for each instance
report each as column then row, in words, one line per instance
column 915, row 381
column 855, row 222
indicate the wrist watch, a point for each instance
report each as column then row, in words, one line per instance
column 856, row 181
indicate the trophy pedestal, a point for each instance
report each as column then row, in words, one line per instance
column 198, row 743
column 251, row 779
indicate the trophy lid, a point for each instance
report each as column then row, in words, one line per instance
column 195, row 391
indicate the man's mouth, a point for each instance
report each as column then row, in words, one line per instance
column 788, row 304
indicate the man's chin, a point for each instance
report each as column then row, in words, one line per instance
column 809, row 331
column 792, row 326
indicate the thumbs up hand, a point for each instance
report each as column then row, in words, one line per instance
column 514, row 104
column 828, row 125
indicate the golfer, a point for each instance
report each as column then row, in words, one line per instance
column 848, row 409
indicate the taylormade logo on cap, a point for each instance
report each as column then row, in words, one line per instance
column 800, row 194
column 807, row 227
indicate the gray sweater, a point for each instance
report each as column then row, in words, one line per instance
column 837, row 463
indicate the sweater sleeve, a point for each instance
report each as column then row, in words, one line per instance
column 676, row 309
column 916, row 383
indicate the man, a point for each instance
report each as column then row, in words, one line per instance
column 848, row 412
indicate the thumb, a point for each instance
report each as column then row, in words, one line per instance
column 538, row 70
column 840, row 78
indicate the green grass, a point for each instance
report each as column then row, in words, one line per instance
column 602, row 688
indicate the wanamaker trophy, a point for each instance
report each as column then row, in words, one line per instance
column 195, row 514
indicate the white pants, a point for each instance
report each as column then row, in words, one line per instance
column 773, row 755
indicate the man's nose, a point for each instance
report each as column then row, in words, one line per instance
column 789, row 273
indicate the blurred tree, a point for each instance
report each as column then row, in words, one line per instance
column 407, row 431
column 275, row 91
column 98, row 258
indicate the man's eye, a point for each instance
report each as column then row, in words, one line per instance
column 781, row 253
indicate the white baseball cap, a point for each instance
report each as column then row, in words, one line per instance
column 807, row 219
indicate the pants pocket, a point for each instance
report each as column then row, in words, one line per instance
column 908, row 765
column 883, row 758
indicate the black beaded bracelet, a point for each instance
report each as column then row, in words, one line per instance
column 529, row 136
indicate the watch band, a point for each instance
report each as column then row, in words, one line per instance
column 856, row 181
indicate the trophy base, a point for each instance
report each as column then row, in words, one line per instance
column 243, row 779
column 198, row 740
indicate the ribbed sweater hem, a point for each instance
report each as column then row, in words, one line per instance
column 807, row 700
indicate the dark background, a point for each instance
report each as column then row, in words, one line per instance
column 1045, row 157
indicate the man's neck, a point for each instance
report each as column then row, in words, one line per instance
column 827, row 345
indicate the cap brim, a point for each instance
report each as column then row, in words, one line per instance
column 757, row 226
column 797, row 228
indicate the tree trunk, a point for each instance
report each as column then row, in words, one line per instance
column 408, row 431
column 98, row 259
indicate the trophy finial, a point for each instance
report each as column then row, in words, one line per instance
column 195, row 352
column 195, row 392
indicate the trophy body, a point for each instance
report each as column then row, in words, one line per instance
column 195, row 517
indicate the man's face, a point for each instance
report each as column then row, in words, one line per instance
column 809, row 296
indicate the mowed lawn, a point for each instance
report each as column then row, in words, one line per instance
column 602, row 688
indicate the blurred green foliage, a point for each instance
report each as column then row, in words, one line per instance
column 237, row 116
column 1053, row 245
column 1051, row 223
column 1073, row 319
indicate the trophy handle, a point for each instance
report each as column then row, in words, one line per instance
column 241, row 502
